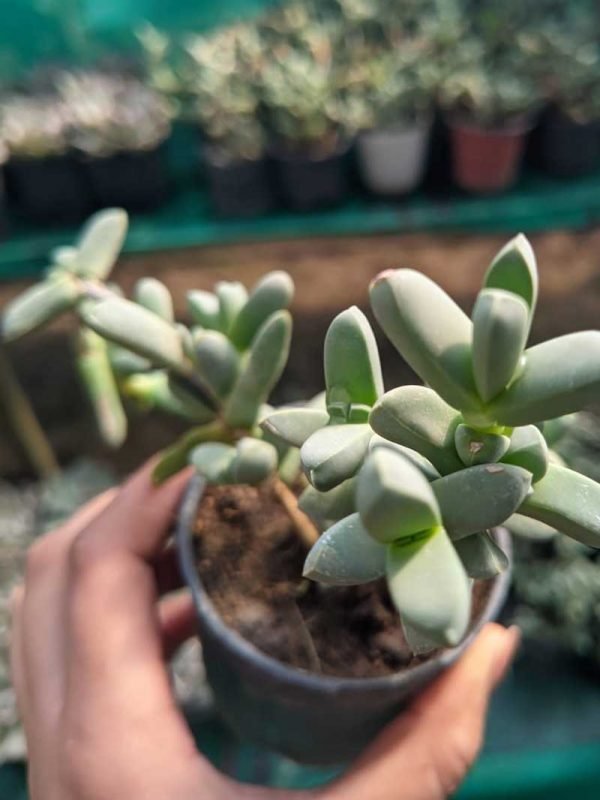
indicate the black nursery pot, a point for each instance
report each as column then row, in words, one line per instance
column 309, row 182
column 315, row 719
column 50, row 189
column 239, row 188
column 568, row 149
column 134, row 180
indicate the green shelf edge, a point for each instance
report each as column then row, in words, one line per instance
column 537, row 203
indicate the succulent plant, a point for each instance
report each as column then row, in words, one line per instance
column 34, row 126
column 408, row 483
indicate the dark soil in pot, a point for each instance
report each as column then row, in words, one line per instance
column 136, row 181
column 567, row 148
column 238, row 188
column 306, row 182
column 309, row 671
column 52, row 189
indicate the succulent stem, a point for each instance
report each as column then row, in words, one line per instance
column 24, row 422
column 302, row 524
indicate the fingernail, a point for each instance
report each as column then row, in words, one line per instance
column 512, row 640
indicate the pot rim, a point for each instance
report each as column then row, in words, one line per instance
column 302, row 679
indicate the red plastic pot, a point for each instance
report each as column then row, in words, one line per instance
column 485, row 161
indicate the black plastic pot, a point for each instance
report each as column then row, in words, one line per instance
column 239, row 188
column 51, row 189
column 136, row 180
column 316, row 719
column 306, row 183
column 568, row 149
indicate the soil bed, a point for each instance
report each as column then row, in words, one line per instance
column 249, row 559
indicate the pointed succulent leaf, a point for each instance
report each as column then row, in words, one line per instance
column 124, row 362
column 134, row 328
column 481, row 557
column 213, row 460
column 528, row 528
column 100, row 243
column 332, row 505
column 352, row 366
column 345, row 555
column 295, row 425
column 417, row 417
column 429, row 331
column 481, row 497
column 64, row 256
column 218, row 361
column 555, row 429
column 419, row 461
column 232, row 298
column 429, row 587
column 319, row 401
column 560, row 376
column 514, row 270
column 254, row 461
column 528, row 449
column 475, row 447
column 203, row 308
column 500, row 328
column 420, row 644
column 154, row 390
column 99, row 381
column 567, row 501
column 394, row 498
column 334, row 454
column 272, row 293
column 38, row 305
column 154, row 295
column 261, row 370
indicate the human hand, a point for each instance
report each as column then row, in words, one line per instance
column 92, row 628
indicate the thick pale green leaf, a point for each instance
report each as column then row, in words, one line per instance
column 218, row 361
column 254, row 461
column 345, row 555
column 261, row 370
column 528, row 528
column 290, row 466
column 134, row 328
column 154, row 295
column 481, row 557
column 176, row 457
column 332, row 505
column 272, row 293
column 124, row 362
column 528, row 449
column 64, row 256
column 153, row 390
column 430, row 332
column 100, row 243
column 333, row 454
column 419, row 461
column 417, row 417
column 500, row 329
column 352, row 366
column 295, row 425
column 567, row 501
column 481, row 497
column 99, row 381
column 475, row 447
column 419, row 643
column 204, row 309
column 555, row 429
column 213, row 460
column 514, row 270
column 430, row 588
column 394, row 498
column 560, row 376
column 38, row 305
column 232, row 298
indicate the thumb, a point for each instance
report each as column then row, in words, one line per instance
column 426, row 753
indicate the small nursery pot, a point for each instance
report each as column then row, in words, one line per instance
column 568, row 149
column 308, row 182
column 392, row 159
column 485, row 161
column 238, row 188
column 134, row 180
column 317, row 719
column 50, row 189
